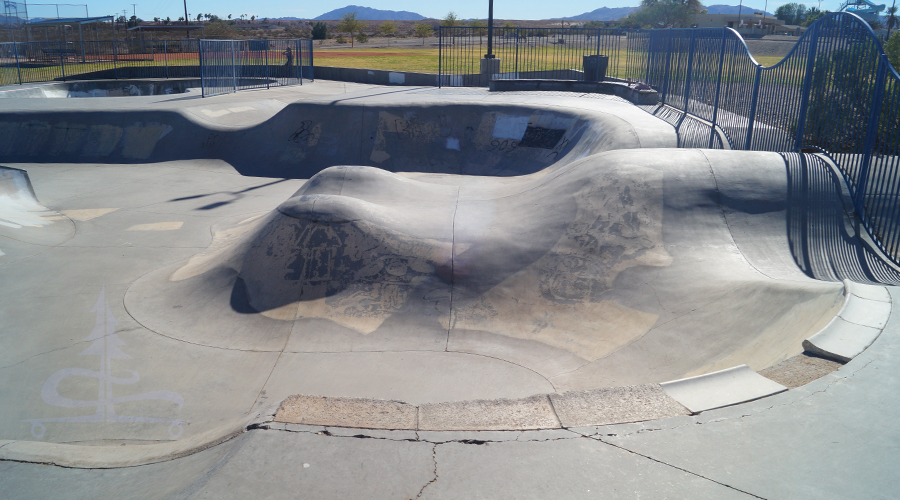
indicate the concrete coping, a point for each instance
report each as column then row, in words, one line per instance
column 862, row 317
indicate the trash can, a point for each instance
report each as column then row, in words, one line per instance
column 595, row 68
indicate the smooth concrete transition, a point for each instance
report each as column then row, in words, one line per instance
column 239, row 289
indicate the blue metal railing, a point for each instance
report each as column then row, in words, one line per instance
column 834, row 93
column 232, row 65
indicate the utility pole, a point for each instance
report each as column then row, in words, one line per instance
column 134, row 10
column 185, row 14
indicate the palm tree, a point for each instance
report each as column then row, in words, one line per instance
column 892, row 19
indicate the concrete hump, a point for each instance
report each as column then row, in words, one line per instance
column 722, row 388
column 534, row 412
column 347, row 412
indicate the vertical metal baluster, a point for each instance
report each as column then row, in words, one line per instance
column 871, row 133
column 166, row 56
column 62, row 64
column 233, row 72
column 718, row 87
column 753, row 102
column 690, row 71
column 668, row 60
column 18, row 68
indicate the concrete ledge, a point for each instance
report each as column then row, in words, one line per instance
column 94, row 457
column 868, row 292
column 722, row 388
column 864, row 314
column 841, row 340
column 347, row 412
column 620, row 89
column 534, row 412
column 615, row 405
column 871, row 313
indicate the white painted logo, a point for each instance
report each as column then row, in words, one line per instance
column 106, row 345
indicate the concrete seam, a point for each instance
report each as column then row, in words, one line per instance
column 555, row 414
column 725, row 217
column 678, row 468
column 452, row 268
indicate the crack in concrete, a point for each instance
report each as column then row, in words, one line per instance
column 361, row 435
column 435, row 472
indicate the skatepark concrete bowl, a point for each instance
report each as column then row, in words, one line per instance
column 422, row 246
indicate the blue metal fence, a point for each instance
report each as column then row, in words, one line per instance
column 834, row 93
column 32, row 62
column 532, row 53
column 232, row 65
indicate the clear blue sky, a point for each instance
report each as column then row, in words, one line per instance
column 503, row 9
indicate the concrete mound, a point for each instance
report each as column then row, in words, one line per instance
column 620, row 268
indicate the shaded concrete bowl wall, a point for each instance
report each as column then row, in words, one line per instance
column 304, row 138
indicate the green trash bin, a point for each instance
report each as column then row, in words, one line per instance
column 595, row 68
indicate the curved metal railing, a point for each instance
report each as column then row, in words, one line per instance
column 835, row 93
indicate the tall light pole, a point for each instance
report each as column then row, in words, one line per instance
column 490, row 53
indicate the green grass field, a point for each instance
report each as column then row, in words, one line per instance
column 456, row 60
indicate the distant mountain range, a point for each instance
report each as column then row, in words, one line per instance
column 369, row 14
column 732, row 9
column 602, row 14
column 607, row 14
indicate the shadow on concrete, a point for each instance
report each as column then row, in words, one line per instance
column 823, row 230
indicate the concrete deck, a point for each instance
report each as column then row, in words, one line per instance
column 158, row 267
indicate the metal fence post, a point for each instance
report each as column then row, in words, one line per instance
column 598, row 55
column 312, row 68
column 440, row 55
column 62, row 64
column 166, row 56
column 517, row 53
column 668, row 61
column 871, row 134
column 202, row 77
column 267, row 64
column 807, row 84
column 115, row 60
column 753, row 102
column 718, row 88
column 233, row 71
column 649, row 56
column 18, row 69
